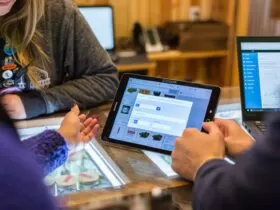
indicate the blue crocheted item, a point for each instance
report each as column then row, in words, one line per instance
column 49, row 150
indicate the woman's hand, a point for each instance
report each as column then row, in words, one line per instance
column 14, row 106
column 77, row 128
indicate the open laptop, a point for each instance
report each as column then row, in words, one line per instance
column 259, row 70
column 101, row 20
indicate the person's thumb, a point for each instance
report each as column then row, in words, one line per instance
column 75, row 109
column 212, row 129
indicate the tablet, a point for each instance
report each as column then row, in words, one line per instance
column 150, row 113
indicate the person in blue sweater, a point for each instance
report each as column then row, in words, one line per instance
column 251, row 183
column 24, row 164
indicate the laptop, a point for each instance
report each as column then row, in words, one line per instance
column 101, row 20
column 259, row 71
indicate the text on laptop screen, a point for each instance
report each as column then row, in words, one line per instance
column 155, row 113
column 260, row 62
column 100, row 19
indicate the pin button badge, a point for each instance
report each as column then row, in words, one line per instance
column 8, row 83
column 9, row 51
column 7, row 74
column 9, row 67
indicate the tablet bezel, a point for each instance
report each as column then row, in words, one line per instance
column 210, row 113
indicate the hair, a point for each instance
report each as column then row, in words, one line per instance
column 19, row 27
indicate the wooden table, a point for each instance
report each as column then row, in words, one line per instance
column 142, row 172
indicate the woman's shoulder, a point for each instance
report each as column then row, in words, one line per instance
column 60, row 8
column 58, row 15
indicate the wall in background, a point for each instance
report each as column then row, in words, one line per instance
column 156, row 12
column 264, row 18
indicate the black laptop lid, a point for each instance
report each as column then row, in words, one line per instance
column 259, row 71
column 101, row 20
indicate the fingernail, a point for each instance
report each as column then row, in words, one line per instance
column 97, row 117
column 87, row 113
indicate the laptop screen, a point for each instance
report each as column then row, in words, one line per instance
column 260, row 73
column 101, row 22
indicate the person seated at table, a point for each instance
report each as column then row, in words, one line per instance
column 50, row 59
column 251, row 183
column 50, row 148
column 21, row 178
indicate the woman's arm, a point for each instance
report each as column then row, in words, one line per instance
column 49, row 149
column 84, row 71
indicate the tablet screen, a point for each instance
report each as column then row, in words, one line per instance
column 154, row 113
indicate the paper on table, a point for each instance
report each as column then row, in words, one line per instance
column 162, row 161
column 230, row 111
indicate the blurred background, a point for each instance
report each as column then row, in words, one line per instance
column 193, row 40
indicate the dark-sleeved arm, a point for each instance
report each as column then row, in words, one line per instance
column 49, row 150
column 252, row 183
column 92, row 77
column 34, row 103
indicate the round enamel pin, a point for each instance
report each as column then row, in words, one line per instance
column 7, row 74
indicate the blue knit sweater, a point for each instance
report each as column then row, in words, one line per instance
column 49, row 149
column 21, row 179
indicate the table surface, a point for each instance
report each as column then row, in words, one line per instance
column 142, row 172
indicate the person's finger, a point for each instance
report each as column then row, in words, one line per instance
column 82, row 117
column 189, row 131
column 93, row 122
column 86, row 124
column 92, row 134
column 225, row 122
column 212, row 129
column 75, row 109
column 87, row 129
column 92, row 125
column 95, row 130
column 91, row 130
column 221, row 125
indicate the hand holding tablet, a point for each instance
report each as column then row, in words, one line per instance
column 150, row 113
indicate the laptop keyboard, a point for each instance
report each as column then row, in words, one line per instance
column 261, row 126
